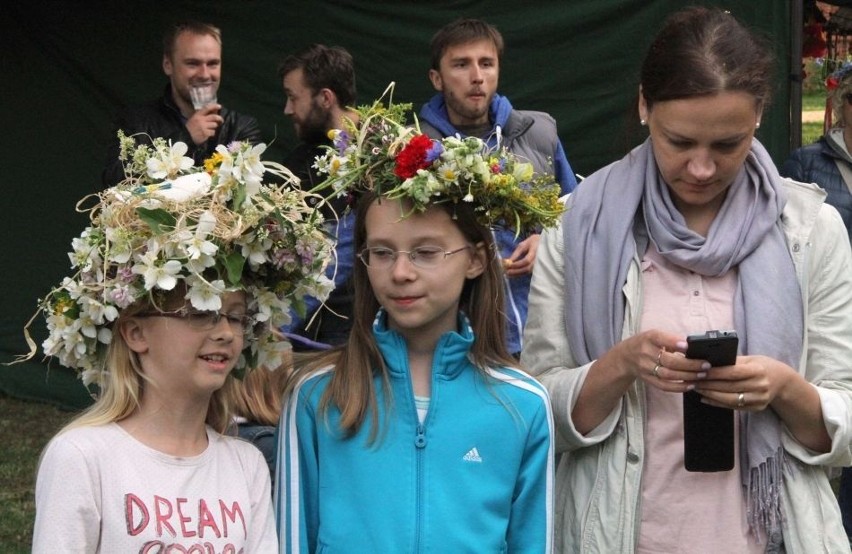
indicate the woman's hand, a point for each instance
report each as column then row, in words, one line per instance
column 752, row 383
column 756, row 383
column 653, row 356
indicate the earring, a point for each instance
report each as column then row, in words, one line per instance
column 757, row 125
column 642, row 122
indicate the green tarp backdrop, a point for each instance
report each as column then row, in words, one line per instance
column 67, row 67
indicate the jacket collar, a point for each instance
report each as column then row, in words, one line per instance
column 450, row 352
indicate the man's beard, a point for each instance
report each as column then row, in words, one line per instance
column 458, row 106
column 314, row 130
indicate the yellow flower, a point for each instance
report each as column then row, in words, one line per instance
column 211, row 163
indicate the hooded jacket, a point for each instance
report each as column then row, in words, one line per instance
column 531, row 136
column 474, row 476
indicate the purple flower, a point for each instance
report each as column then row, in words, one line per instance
column 434, row 151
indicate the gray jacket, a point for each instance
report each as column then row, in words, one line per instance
column 598, row 481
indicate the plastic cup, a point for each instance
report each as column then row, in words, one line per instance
column 202, row 95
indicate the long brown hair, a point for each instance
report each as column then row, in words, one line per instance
column 356, row 363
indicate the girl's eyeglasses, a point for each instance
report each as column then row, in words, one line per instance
column 204, row 320
column 424, row 257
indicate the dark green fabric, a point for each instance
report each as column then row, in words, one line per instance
column 67, row 66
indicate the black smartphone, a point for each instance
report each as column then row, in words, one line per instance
column 708, row 431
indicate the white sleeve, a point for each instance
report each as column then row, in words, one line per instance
column 67, row 498
column 547, row 354
column 262, row 536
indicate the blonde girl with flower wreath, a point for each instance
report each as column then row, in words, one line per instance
column 148, row 467
column 420, row 433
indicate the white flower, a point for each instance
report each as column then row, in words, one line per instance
column 251, row 169
column 156, row 274
column 197, row 244
column 204, row 295
column 255, row 250
column 169, row 162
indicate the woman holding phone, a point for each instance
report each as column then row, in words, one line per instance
column 695, row 230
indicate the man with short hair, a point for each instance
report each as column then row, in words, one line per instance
column 192, row 57
column 465, row 71
column 319, row 85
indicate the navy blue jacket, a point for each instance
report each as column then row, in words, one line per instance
column 815, row 163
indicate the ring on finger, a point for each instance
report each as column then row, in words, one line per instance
column 659, row 362
column 741, row 400
column 656, row 371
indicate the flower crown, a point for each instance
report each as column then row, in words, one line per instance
column 214, row 229
column 381, row 154
column 841, row 70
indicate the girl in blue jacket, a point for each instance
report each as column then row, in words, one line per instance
column 419, row 434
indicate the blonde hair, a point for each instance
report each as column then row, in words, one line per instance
column 258, row 396
column 838, row 100
column 125, row 384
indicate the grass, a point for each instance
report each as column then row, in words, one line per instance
column 25, row 427
column 811, row 132
column 814, row 101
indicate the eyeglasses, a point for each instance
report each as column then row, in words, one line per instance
column 204, row 320
column 424, row 257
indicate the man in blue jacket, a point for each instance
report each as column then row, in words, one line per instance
column 465, row 72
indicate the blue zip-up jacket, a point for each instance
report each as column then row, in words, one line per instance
column 475, row 476
column 532, row 136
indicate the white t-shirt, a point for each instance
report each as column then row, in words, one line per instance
column 100, row 490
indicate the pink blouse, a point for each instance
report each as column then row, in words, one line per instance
column 683, row 511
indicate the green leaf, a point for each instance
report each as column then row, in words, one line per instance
column 156, row 219
column 234, row 264
column 239, row 197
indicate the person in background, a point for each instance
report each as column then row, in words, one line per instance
column 319, row 86
column 192, row 59
column 420, row 433
column 157, row 318
column 257, row 408
column 828, row 162
column 465, row 71
column 695, row 230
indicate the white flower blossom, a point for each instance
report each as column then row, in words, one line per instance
column 169, row 162
column 204, row 295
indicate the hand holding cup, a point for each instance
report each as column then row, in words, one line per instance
column 202, row 95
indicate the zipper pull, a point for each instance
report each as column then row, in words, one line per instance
column 420, row 440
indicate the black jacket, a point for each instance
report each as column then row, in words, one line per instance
column 162, row 118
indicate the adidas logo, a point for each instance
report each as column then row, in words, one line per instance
column 472, row 456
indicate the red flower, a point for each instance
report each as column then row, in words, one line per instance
column 413, row 157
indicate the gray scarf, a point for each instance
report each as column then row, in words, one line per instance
column 600, row 245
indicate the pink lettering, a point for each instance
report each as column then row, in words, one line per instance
column 152, row 547
column 206, row 519
column 232, row 515
column 159, row 547
column 163, row 510
column 131, row 501
column 183, row 519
